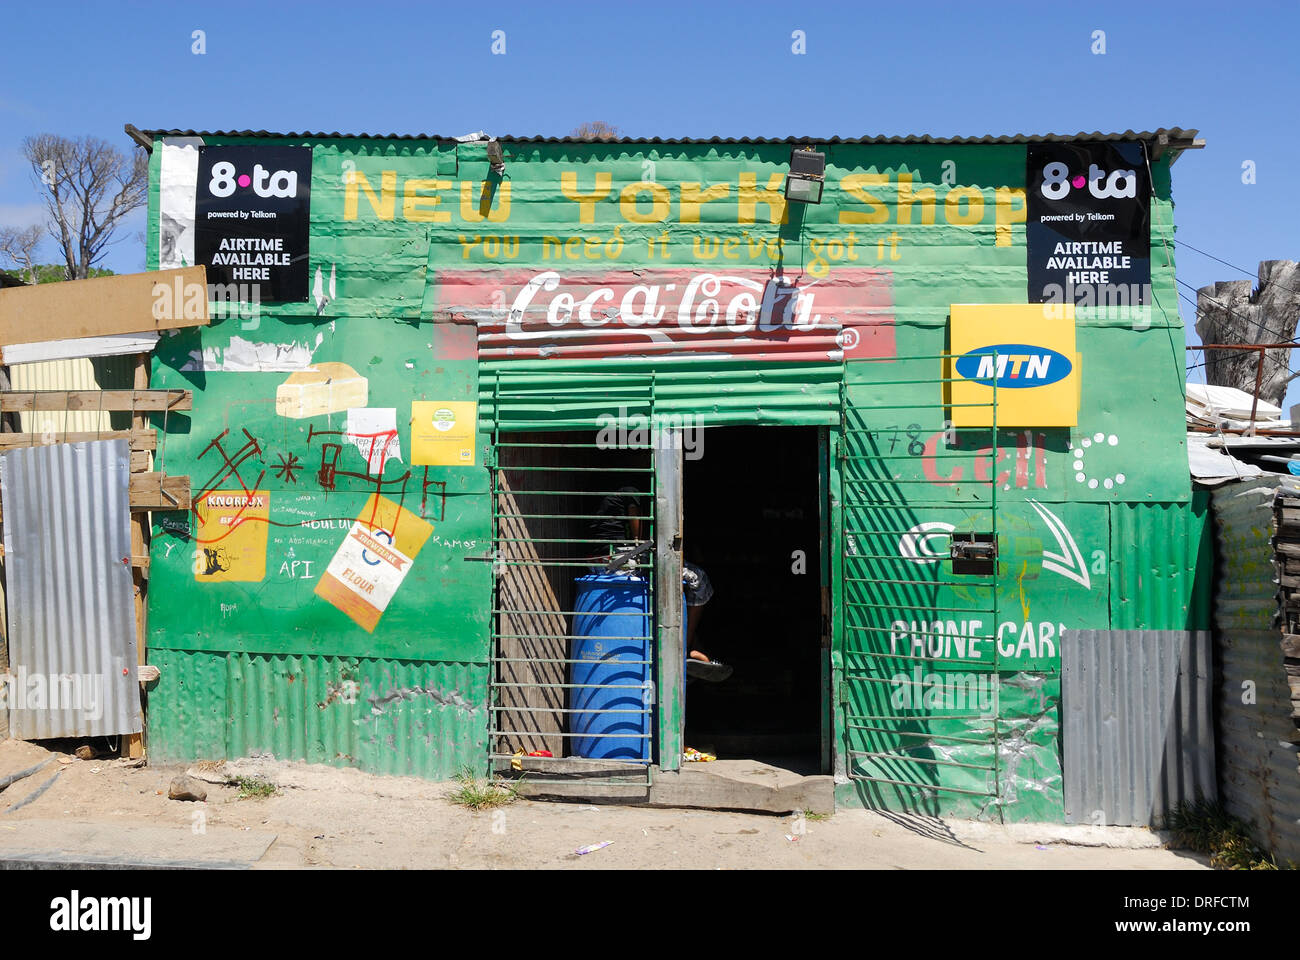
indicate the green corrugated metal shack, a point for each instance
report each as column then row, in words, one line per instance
column 429, row 403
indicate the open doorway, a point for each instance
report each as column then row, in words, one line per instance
column 752, row 521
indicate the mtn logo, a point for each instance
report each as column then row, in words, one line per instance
column 1014, row 365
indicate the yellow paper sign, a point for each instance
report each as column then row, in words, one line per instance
column 1028, row 351
column 373, row 560
column 442, row 432
column 230, row 543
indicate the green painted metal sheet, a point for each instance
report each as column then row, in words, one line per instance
column 384, row 716
column 1129, row 446
column 1162, row 565
column 235, row 441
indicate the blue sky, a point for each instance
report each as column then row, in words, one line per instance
column 696, row 69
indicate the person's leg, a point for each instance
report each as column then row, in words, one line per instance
column 693, row 615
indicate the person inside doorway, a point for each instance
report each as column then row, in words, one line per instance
column 699, row 590
column 618, row 530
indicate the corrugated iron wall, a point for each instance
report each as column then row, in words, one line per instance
column 72, row 608
column 252, row 659
column 414, row 718
column 1138, row 733
column 1258, row 777
column 1162, row 562
column 1137, row 727
column 884, row 272
column 78, row 374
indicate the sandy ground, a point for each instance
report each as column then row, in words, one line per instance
column 339, row 818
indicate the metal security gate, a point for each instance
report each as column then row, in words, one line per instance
column 919, row 562
column 557, row 696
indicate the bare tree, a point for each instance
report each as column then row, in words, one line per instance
column 1230, row 312
column 18, row 245
column 595, row 130
column 90, row 187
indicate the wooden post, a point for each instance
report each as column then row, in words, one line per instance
column 140, row 574
column 672, row 627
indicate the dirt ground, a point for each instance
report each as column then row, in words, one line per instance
column 323, row 817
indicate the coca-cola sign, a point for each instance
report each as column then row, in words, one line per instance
column 754, row 314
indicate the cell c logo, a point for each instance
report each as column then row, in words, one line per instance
column 917, row 544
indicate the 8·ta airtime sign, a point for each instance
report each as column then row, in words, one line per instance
column 252, row 211
column 1057, row 182
column 1088, row 224
column 225, row 180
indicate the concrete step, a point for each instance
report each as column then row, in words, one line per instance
column 585, row 791
column 717, row 785
column 575, row 778
column 742, row 785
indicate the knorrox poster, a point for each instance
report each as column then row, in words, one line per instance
column 252, row 210
column 1088, row 227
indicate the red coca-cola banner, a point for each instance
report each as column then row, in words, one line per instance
column 749, row 314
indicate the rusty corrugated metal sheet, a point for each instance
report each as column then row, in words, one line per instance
column 1138, row 731
column 70, row 597
column 1258, row 776
column 743, row 314
column 413, row 718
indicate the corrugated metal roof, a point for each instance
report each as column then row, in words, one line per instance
column 1177, row 136
column 71, row 602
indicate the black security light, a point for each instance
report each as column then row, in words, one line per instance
column 495, row 158
column 806, row 177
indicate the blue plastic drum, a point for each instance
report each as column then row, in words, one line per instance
column 612, row 631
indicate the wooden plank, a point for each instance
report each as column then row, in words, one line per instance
column 140, row 571
column 124, row 401
column 139, row 461
column 157, row 491
column 138, row 439
column 116, row 345
column 130, row 303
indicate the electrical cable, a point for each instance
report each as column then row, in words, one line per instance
column 1227, row 264
column 1233, row 312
